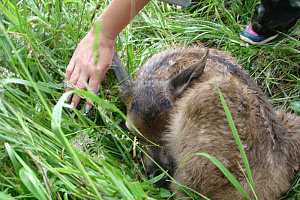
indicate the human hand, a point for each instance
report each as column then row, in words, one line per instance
column 83, row 69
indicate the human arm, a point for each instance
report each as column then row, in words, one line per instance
column 82, row 68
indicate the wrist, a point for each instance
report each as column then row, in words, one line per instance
column 106, row 41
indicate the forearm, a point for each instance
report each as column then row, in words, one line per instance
column 117, row 16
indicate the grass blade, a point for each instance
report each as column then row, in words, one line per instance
column 238, row 141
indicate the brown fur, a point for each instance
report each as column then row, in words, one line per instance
column 195, row 122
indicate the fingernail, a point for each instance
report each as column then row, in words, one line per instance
column 98, row 89
column 87, row 108
column 72, row 105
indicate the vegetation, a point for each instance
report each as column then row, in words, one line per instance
column 38, row 132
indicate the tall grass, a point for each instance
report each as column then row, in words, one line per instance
column 37, row 129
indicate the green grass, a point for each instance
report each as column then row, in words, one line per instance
column 37, row 130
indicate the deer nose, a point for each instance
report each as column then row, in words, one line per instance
column 161, row 182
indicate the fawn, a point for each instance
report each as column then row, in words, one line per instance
column 173, row 102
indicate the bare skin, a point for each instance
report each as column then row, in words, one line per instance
column 81, row 68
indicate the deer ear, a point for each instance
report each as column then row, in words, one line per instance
column 179, row 82
column 121, row 76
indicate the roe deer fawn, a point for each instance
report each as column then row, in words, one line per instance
column 173, row 101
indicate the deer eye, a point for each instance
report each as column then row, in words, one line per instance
column 166, row 103
column 134, row 105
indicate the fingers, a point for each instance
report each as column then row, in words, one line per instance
column 78, row 80
column 79, row 85
column 69, row 72
column 82, row 68
column 75, row 79
column 70, row 69
column 94, row 83
column 99, row 73
column 72, row 77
